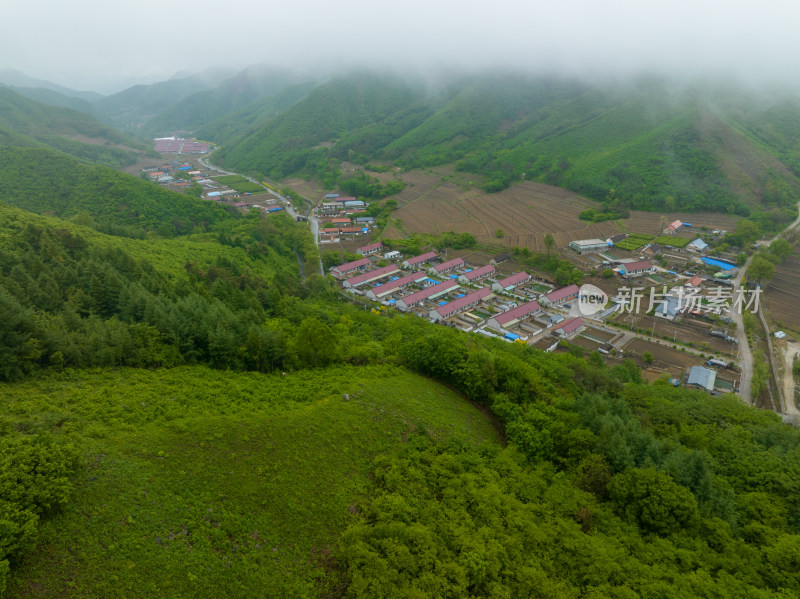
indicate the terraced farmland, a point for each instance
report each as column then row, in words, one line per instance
column 525, row 212
column 782, row 291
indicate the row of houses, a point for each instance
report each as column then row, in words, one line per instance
column 470, row 300
column 434, row 290
column 347, row 231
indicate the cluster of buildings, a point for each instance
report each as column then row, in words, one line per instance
column 452, row 292
column 178, row 145
column 342, row 217
column 174, row 174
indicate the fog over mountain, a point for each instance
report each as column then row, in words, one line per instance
column 89, row 44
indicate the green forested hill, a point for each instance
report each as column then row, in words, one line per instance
column 133, row 106
column 54, row 98
column 45, row 181
column 237, row 480
column 24, row 121
column 648, row 144
column 226, row 100
column 187, row 415
column 297, row 138
column 236, row 124
column 14, row 78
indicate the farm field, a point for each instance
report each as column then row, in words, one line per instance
column 585, row 342
column 525, row 212
column 598, row 334
column 307, row 189
column 665, row 358
column 781, row 294
column 688, row 330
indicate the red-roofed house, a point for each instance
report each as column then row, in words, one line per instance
column 636, row 269
column 369, row 249
column 417, row 260
column 674, row 226
column 381, row 291
column 560, row 296
column 349, row 267
column 371, row 276
column 569, row 329
column 694, row 282
column 468, row 301
column 477, row 274
column 446, row 267
column 352, row 230
column 511, row 317
column 511, row 282
column 431, row 292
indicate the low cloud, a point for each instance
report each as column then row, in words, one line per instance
column 97, row 45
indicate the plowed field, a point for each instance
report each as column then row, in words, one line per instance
column 781, row 294
column 525, row 212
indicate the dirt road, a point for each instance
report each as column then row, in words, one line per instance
column 792, row 350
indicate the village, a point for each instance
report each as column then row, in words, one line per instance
column 667, row 295
column 187, row 172
column 665, row 303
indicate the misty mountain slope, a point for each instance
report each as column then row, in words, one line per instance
column 231, row 95
column 54, row 98
column 25, row 122
column 245, row 121
column 646, row 144
column 475, row 112
column 16, row 79
column 293, row 140
column 131, row 107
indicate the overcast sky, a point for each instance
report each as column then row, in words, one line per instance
column 104, row 46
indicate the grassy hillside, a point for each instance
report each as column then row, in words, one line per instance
column 205, row 483
column 24, row 121
column 647, row 144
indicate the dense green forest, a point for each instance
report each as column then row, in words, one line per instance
column 160, row 438
column 26, row 122
column 268, row 89
column 45, row 181
column 130, row 108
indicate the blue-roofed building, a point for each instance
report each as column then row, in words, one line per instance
column 702, row 378
column 668, row 308
column 718, row 263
